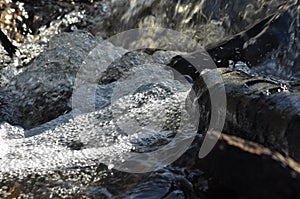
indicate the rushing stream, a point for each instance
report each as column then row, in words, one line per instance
column 55, row 144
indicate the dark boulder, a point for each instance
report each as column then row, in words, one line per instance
column 258, row 109
column 43, row 90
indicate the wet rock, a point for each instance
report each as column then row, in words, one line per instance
column 45, row 87
column 163, row 184
column 134, row 59
column 118, row 69
column 258, row 109
column 43, row 90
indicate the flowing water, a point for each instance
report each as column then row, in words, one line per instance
column 51, row 149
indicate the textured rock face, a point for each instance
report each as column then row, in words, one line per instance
column 116, row 70
column 43, row 90
column 258, row 109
